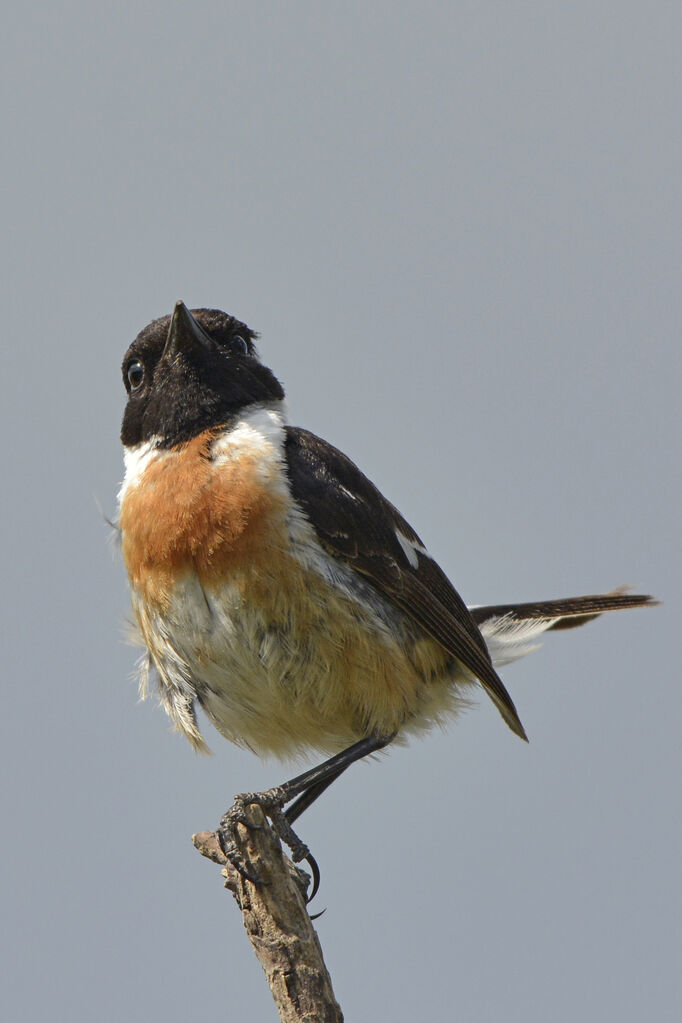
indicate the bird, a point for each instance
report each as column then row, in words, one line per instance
column 275, row 587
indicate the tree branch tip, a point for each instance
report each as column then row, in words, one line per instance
column 206, row 842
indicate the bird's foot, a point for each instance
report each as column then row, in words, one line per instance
column 272, row 803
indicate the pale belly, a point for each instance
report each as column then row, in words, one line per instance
column 297, row 666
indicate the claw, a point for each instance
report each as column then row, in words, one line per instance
column 235, row 858
column 315, row 871
column 301, row 792
column 271, row 803
column 227, row 837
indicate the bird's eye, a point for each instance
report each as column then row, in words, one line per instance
column 135, row 375
column 240, row 344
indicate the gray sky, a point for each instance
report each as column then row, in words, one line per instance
column 457, row 228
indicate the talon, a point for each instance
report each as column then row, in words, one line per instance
column 246, row 874
column 271, row 803
column 236, row 860
column 315, row 871
column 228, row 842
column 229, row 820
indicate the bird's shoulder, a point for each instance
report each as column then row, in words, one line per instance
column 349, row 513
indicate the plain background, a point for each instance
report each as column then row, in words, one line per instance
column 457, row 228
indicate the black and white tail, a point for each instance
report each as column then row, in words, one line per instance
column 511, row 630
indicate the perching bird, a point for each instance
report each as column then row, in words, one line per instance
column 272, row 582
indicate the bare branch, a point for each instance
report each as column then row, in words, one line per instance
column 277, row 922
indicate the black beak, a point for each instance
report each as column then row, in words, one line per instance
column 185, row 335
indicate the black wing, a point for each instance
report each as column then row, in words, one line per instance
column 564, row 614
column 355, row 523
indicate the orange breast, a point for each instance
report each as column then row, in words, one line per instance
column 189, row 512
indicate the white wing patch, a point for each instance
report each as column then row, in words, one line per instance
column 410, row 548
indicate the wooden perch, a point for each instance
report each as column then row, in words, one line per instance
column 277, row 922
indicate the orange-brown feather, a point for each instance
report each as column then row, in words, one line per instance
column 186, row 514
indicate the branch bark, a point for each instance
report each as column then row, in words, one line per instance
column 277, row 922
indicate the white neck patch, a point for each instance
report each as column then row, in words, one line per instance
column 259, row 430
column 136, row 460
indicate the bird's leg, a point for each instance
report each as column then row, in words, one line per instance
column 308, row 797
column 304, row 789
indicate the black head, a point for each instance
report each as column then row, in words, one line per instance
column 189, row 372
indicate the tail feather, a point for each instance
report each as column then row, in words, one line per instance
column 510, row 630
